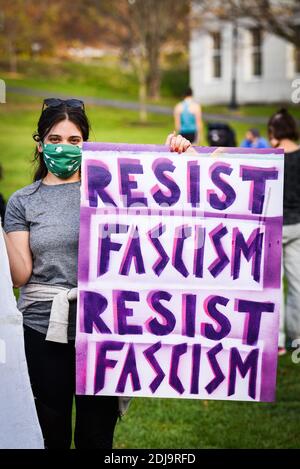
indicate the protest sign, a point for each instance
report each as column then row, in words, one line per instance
column 179, row 272
column 20, row 428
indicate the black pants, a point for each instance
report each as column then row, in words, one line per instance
column 51, row 369
column 191, row 136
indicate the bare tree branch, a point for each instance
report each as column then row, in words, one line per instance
column 279, row 17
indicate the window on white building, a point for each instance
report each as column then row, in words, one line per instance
column 297, row 53
column 256, row 53
column 216, row 55
column 297, row 59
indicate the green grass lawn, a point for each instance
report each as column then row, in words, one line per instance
column 174, row 423
column 161, row 423
column 103, row 78
column 98, row 78
column 18, row 120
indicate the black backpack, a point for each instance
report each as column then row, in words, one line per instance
column 220, row 134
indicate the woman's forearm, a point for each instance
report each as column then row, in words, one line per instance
column 19, row 268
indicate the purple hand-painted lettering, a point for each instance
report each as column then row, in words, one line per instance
column 149, row 354
column 223, row 322
column 129, row 368
column 250, row 363
column 102, row 362
column 177, row 351
column 252, row 248
column 154, row 326
column 127, row 184
column 258, row 176
column 254, row 309
column 94, row 304
column 174, row 192
column 229, row 194
column 222, row 260
column 99, row 177
column 133, row 251
column 181, row 234
column 163, row 260
column 219, row 375
column 195, row 368
column 120, row 297
column 106, row 245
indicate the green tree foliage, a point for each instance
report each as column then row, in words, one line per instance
column 279, row 17
column 28, row 27
column 141, row 28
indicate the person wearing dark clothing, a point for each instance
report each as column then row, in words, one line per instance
column 283, row 133
column 2, row 201
column 254, row 140
column 2, row 208
column 188, row 118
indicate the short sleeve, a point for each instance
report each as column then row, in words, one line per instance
column 15, row 218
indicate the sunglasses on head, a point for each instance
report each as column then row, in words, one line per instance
column 56, row 102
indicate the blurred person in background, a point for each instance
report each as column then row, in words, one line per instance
column 254, row 140
column 283, row 133
column 2, row 201
column 188, row 118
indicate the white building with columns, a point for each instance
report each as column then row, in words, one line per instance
column 265, row 65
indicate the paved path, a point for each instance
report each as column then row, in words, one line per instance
column 131, row 105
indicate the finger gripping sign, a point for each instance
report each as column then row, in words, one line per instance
column 179, row 272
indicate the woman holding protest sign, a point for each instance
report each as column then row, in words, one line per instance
column 283, row 133
column 41, row 234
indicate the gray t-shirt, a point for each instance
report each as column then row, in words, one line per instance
column 51, row 215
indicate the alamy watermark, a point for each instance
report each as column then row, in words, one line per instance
column 295, row 97
column 2, row 91
column 296, row 353
column 2, row 351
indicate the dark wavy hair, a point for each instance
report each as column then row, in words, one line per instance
column 48, row 118
column 282, row 125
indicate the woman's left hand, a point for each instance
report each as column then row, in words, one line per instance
column 177, row 143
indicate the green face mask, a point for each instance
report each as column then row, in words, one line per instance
column 61, row 159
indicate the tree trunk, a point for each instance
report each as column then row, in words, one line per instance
column 139, row 65
column 154, row 75
column 13, row 60
column 142, row 94
column 154, row 84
